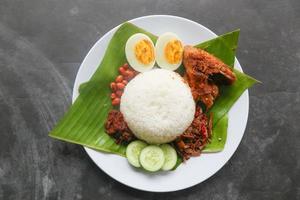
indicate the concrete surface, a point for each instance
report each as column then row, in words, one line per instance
column 42, row 44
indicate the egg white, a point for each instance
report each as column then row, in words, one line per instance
column 160, row 45
column 130, row 53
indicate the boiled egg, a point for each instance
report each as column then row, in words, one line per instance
column 169, row 51
column 140, row 52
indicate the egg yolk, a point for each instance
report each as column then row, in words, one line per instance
column 173, row 51
column 144, row 52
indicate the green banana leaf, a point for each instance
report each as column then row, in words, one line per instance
column 229, row 95
column 84, row 122
column 219, row 136
column 224, row 48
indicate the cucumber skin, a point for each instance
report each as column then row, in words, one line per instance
column 143, row 160
column 131, row 158
column 167, row 165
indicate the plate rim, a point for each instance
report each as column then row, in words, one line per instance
column 75, row 95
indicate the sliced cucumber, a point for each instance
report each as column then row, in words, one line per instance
column 152, row 158
column 170, row 157
column 133, row 151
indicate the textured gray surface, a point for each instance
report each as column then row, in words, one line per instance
column 41, row 46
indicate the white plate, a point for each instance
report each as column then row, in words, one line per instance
column 196, row 169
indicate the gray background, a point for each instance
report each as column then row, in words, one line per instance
column 42, row 44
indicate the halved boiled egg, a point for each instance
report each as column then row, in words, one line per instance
column 140, row 52
column 169, row 51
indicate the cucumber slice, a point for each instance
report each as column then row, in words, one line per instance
column 170, row 157
column 133, row 151
column 152, row 158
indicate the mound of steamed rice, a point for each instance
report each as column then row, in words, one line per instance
column 158, row 106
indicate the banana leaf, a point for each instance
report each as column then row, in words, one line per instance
column 224, row 48
column 219, row 136
column 229, row 95
column 84, row 122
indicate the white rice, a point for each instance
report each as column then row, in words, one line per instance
column 157, row 106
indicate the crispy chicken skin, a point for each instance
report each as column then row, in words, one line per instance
column 204, row 72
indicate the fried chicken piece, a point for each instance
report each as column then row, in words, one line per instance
column 200, row 61
column 204, row 72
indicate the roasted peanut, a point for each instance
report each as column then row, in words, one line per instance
column 113, row 86
column 115, row 102
column 120, row 86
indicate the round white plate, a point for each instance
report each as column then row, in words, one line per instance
column 196, row 169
